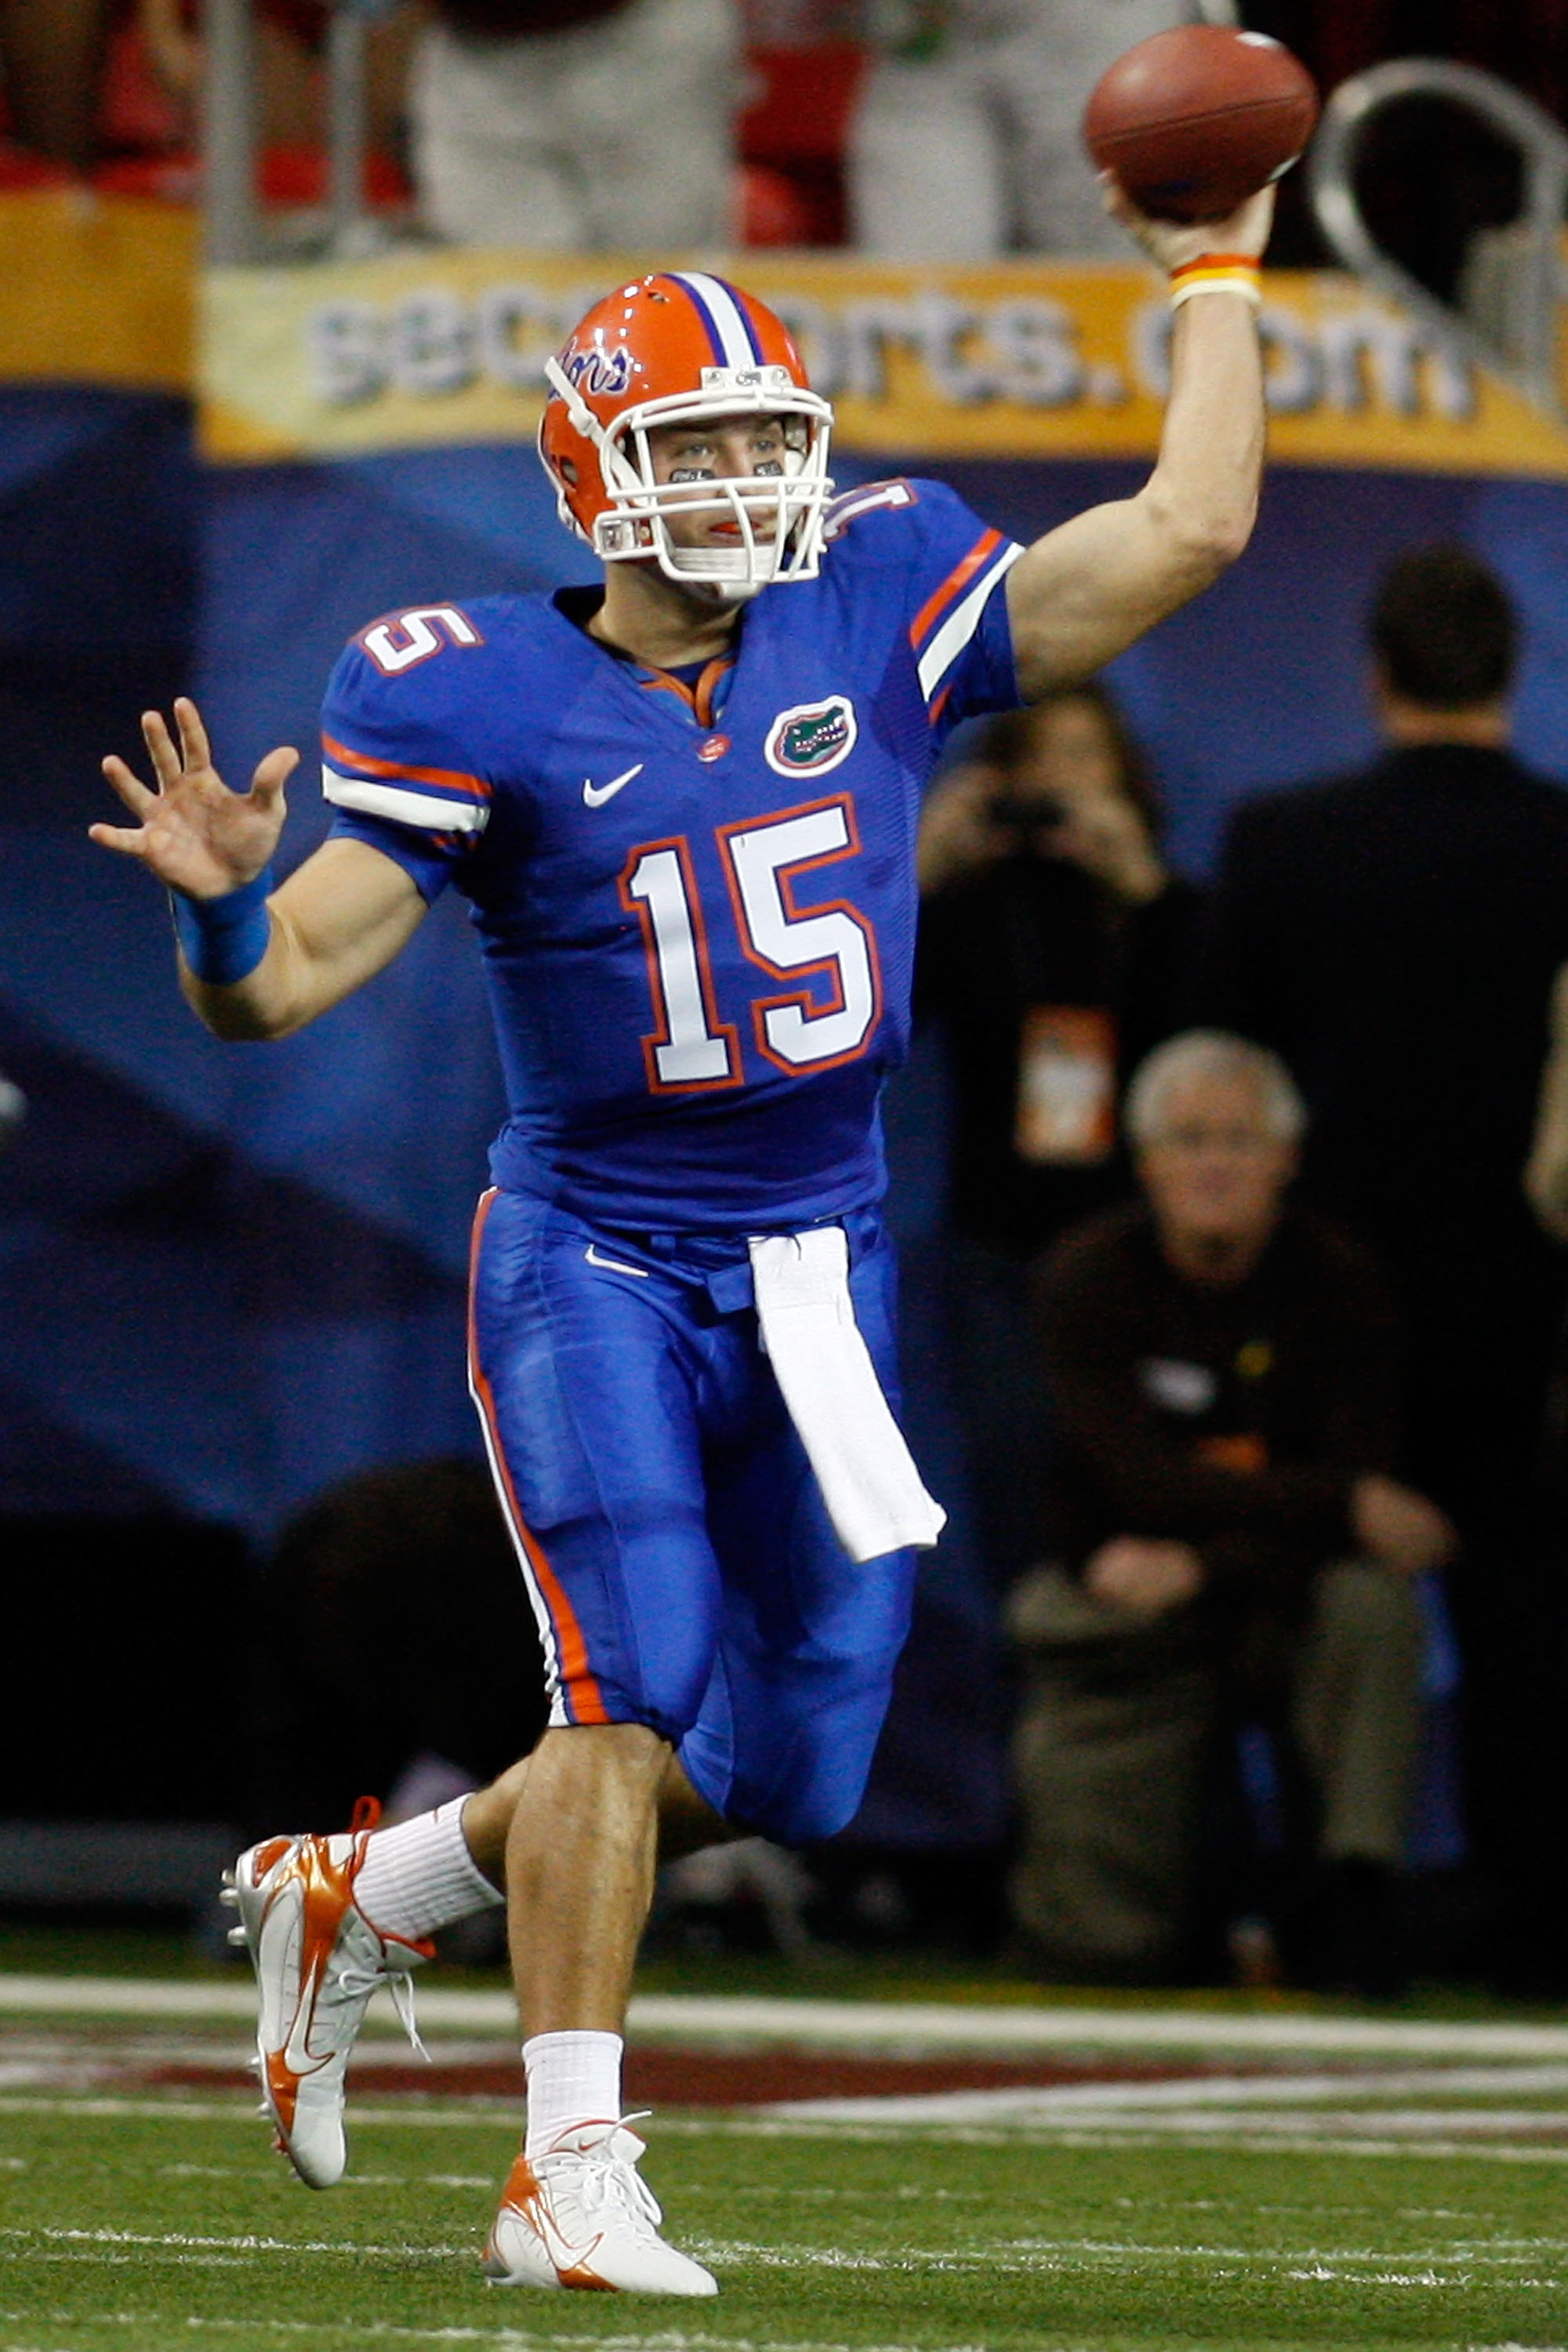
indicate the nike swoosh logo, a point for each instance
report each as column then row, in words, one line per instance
column 596, row 795
column 296, row 2053
column 566, row 2257
column 615, row 1264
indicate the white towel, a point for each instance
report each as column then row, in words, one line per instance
column 869, row 1482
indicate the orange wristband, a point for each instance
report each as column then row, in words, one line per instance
column 1218, row 273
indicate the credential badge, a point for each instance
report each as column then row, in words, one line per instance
column 812, row 737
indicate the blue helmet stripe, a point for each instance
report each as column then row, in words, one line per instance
column 743, row 316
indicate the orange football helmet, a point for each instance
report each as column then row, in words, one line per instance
column 682, row 348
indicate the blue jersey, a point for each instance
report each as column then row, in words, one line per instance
column 696, row 903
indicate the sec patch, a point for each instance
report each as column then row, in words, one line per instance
column 812, row 736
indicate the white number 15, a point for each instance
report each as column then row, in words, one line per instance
column 796, row 1028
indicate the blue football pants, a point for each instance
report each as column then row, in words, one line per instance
column 682, row 1568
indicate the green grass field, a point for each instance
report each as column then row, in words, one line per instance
column 1377, row 2203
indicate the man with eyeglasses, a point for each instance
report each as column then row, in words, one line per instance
column 1227, row 1544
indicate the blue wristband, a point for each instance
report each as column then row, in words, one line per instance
column 224, row 939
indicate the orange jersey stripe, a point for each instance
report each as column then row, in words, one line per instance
column 662, row 683
column 700, row 698
column 957, row 579
column 708, row 686
column 453, row 780
column 576, row 1675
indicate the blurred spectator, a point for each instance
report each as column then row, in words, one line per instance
column 1225, row 1544
column 51, row 61
column 290, row 37
column 376, row 1589
column 1394, row 937
column 1526, row 42
column 1546, row 1186
column 1055, row 946
column 567, row 123
column 87, row 82
column 966, row 142
column 804, row 70
column 1546, row 1171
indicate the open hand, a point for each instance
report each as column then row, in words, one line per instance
column 193, row 832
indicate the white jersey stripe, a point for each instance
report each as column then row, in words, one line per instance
column 961, row 623
column 722, row 308
column 403, row 805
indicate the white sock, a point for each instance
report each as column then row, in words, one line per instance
column 420, row 1876
column 573, row 2078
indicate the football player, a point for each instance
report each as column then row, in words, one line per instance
column 683, row 810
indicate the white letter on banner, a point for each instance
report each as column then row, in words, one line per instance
column 946, row 327
column 506, row 313
column 868, row 329
column 1397, row 352
column 347, row 344
column 1393, row 348
column 1151, row 328
column 1346, row 340
column 1293, row 366
column 1037, row 341
column 433, row 344
column 1453, row 383
column 821, row 344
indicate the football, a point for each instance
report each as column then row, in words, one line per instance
column 1194, row 120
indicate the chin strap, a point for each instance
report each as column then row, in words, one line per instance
column 619, row 480
column 577, row 408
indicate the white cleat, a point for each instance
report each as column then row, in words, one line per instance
column 318, row 1959
column 582, row 2216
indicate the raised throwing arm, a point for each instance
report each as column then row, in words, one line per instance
column 254, row 961
column 1086, row 591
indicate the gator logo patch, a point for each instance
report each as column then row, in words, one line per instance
column 812, row 737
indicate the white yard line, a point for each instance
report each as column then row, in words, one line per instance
column 1085, row 2101
column 1297, row 2134
column 474, row 2115
column 70, row 1995
column 516, row 2339
column 1224, row 2135
column 887, row 2027
column 1345, row 2123
column 242, row 2244
column 522, row 2339
column 1015, row 2255
column 84, row 2052
column 1009, row 2031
